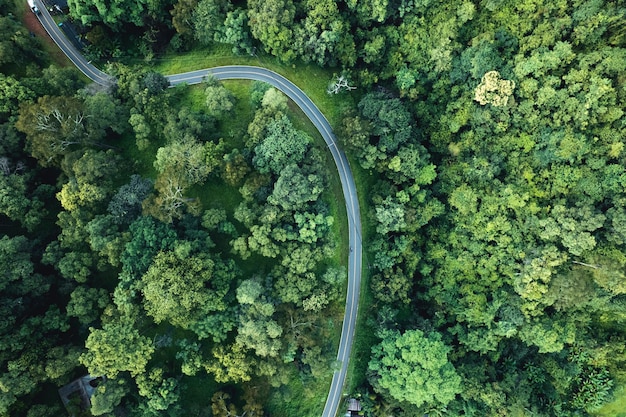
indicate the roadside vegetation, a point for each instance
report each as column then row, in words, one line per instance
column 189, row 243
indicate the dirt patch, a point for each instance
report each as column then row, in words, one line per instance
column 32, row 24
column 30, row 21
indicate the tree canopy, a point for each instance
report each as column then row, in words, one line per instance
column 172, row 236
column 414, row 367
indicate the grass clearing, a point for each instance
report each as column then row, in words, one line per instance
column 617, row 407
column 142, row 160
column 192, row 97
column 235, row 128
column 216, row 194
column 298, row 398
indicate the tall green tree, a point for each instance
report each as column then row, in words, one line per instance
column 12, row 93
column 414, row 367
column 271, row 23
column 282, row 146
column 257, row 330
column 117, row 13
column 208, row 19
column 117, row 347
column 16, row 46
column 219, row 100
column 185, row 290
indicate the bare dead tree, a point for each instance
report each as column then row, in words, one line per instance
column 7, row 168
column 298, row 322
column 587, row 265
column 55, row 121
column 67, row 129
column 340, row 84
column 173, row 198
column 219, row 405
column 59, row 146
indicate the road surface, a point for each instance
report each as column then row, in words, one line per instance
column 66, row 46
column 317, row 118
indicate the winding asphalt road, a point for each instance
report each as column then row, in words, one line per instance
column 320, row 122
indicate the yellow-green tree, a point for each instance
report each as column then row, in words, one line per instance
column 414, row 367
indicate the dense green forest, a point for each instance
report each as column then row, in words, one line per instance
column 186, row 243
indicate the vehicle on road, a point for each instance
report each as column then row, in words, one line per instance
column 34, row 7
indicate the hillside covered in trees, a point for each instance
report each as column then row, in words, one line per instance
column 184, row 241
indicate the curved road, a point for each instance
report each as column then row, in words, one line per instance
column 320, row 122
column 68, row 48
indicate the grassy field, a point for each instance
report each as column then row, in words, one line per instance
column 197, row 392
column 234, row 129
column 298, row 398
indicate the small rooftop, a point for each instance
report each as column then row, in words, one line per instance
column 79, row 391
column 354, row 405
